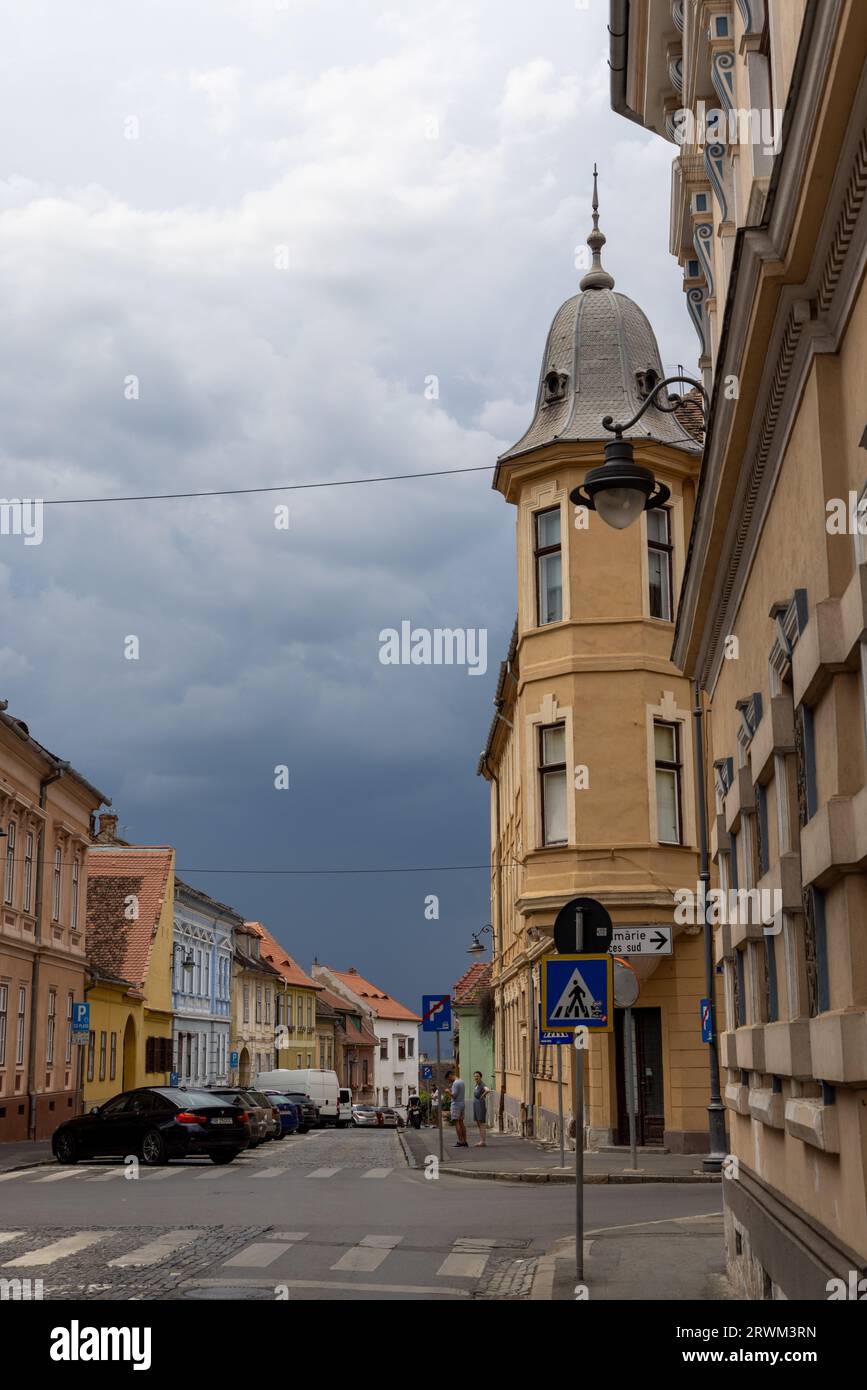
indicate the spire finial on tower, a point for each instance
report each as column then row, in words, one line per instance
column 597, row 278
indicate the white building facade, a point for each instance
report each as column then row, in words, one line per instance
column 395, row 1057
column 202, row 987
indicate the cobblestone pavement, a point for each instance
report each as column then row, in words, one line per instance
column 332, row 1214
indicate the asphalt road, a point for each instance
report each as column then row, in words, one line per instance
column 328, row 1215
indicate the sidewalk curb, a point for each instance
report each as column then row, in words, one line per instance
column 524, row 1175
column 20, row 1167
column 590, row 1179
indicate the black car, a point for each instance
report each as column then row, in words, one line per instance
column 308, row 1111
column 155, row 1123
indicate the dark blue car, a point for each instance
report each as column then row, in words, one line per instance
column 289, row 1117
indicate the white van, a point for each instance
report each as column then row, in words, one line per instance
column 321, row 1086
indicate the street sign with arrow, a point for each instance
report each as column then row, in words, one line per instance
column 642, row 941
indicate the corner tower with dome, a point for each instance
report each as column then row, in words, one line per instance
column 589, row 753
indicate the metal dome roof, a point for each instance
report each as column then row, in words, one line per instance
column 599, row 352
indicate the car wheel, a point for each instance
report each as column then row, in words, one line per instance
column 153, row 1149
column 221, row 1158
column 302, row 1129
column 281, row 1135
column 66, row 1148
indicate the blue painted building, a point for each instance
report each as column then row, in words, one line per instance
column 202, row 986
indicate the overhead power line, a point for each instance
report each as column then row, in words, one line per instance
column 276, row 487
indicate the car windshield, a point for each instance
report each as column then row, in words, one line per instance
column 185, row 1099
column 239, row 1097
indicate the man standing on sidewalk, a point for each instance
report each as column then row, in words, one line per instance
column 456, row 1112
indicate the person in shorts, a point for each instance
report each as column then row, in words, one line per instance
column 457, row 1091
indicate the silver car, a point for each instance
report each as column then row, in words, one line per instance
column 374, row 1116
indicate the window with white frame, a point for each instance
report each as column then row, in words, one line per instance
column 9, row 876
column 52, row 1020
column 73, row 907
column 669, row 775
column 19, row 1041
column 552, row 785
column 4, row 1015
column 28, row 870
column 549, row 567
column 659, row 563
column 55, row 892
column 69, row 1000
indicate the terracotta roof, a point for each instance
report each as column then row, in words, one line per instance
column 382, row 1004
column 690, row 413
column 115, row 945
column 468, row 987
column 276, row 956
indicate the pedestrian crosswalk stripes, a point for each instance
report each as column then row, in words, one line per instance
column 258, row 1255
column 200, row 1172
column 461, row 1265
column 288, row 1254
column 57, row 1250
column 368, row 1254
column 169, row 1243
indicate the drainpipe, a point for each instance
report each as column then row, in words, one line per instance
column 498, row 938
column 55, row 776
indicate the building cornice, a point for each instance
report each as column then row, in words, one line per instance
column 782, row 325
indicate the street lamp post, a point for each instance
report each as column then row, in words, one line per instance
column 620, row 490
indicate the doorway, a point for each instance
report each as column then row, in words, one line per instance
column 650, row 1099
column 129, row 1078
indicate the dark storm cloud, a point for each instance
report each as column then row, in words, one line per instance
column 411, row 255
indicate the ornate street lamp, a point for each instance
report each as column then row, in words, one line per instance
column 477, row 949
column 620, row 490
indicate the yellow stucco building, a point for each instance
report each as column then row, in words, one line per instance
column 773, row 614
column 130, row 907
column 590, row 752
column 294, row 1042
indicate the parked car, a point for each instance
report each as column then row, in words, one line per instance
column 308, row 1113
column 370, row 1115
column 157, row 1123
column 260, row 1127
column 288, row 1112
column 274, row 1129
column 320, row 1085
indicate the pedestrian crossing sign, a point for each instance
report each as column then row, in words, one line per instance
column 577, row 992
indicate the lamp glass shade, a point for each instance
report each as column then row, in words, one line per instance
column 620, row 506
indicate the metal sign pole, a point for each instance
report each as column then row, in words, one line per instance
column 579, row 1155
column 560, row 1107
column 630, row 1086
column 440, row 1106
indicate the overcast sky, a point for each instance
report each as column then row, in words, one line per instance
column 327, row 203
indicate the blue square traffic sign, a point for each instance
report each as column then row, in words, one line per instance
column 577, row 992
column 436, row 1013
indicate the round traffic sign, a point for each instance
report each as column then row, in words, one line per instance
column 582, row 927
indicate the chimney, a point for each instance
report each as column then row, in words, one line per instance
column 107, row 829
